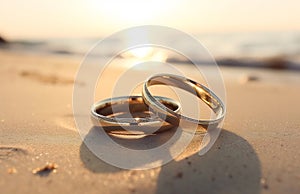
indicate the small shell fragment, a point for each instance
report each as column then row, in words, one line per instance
column 46, row 170
column 12, row 171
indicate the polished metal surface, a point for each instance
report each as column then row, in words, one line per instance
column 197, row 89
column 130, row 113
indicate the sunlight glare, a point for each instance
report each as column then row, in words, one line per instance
column 141, row 52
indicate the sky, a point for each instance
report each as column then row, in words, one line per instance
column 96, row 18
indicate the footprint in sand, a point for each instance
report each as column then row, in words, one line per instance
column 8, row 152
column 48, row 79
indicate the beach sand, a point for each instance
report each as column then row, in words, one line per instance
column 257, row 151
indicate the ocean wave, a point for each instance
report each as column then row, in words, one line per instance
column 63, row 52
column 276, row 62
column 276, row 50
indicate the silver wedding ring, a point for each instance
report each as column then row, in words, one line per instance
column 150, row 114
column 130, row 113
column 197, row 89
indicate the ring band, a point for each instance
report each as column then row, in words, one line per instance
column 113, row 113
column 197, row 89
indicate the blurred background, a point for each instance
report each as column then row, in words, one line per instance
column 256, row 33
column 256, row 44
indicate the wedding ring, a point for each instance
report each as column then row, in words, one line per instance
column 197, row 89
column 130, row 113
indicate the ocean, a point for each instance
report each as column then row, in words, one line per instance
column 279, row 50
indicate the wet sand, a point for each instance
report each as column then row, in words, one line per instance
column 257, row 151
